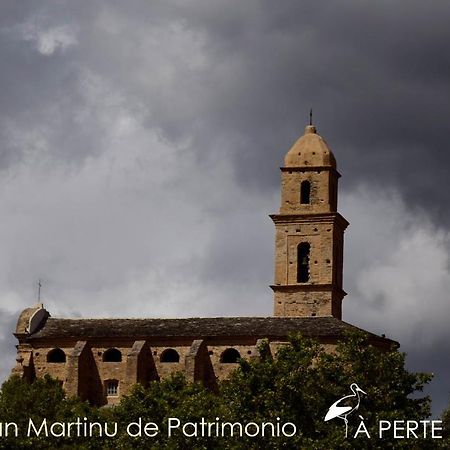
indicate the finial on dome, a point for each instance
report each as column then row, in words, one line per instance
column 310, row 129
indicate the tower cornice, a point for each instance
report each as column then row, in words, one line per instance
column 310, row 218
column 307, row 288
column 310, row 169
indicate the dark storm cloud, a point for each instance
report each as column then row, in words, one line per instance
column 140, row 141
column 377, row 77
column 432, row 362
column 40, row 94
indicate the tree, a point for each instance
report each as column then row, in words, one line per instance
column 173, row 397
column 446, row 425
column 301, row 383
column 21, row 401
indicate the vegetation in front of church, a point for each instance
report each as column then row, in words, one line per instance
column 297, row 386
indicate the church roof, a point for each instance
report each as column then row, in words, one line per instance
column 325, row 328
column 310, row 150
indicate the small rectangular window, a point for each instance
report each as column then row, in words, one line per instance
column 112, row 387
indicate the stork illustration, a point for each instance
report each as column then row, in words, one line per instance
column 345, row 406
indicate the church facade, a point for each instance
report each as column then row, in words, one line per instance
column 101, row 359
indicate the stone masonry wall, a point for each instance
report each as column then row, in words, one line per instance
column 86, row 374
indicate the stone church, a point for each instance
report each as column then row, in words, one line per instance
column 100, row 359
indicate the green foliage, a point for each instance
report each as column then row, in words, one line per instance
column 40, row 399
column 304, row 380
column 21, row 401
column 446, row 425
column 298, row 386
column 172, row 397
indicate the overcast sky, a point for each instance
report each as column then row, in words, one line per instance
column 140, row 146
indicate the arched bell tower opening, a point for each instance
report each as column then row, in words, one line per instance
column 309, row 233
column 303, row 262
column 305, row 192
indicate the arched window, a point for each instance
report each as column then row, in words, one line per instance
column 303, row 262
column 170, row 356
column 56, row 356
column 112, row 355
column 229, row 356
column 112, row 388
column 305, row 192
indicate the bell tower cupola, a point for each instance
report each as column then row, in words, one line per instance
column 309, row 233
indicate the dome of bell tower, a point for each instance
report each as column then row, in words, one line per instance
column 310, row 150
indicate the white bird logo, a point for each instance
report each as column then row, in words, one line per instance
column 345, row 406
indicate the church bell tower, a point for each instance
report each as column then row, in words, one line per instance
column 309, row 233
